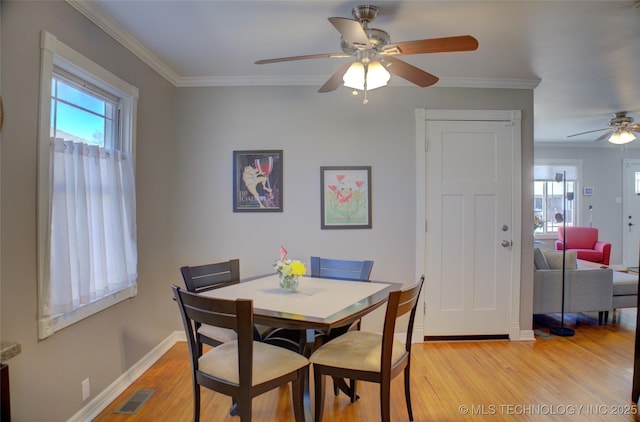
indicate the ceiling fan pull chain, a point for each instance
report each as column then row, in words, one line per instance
column 366, row 70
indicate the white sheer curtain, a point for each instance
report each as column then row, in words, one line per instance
column 92, row 247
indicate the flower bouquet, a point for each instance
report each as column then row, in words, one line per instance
column 537, row 223
column 289, row 271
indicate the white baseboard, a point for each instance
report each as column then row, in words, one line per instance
column 525, row 335
column 109, row 394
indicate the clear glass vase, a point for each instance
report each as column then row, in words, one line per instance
column 289, row 282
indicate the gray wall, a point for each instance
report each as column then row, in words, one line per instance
column 46, row 377
column 185, row 139
column 601, row 169
column 316, row 130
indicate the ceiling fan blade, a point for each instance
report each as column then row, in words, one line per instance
column 309, row 56
column 604, row 136
column 634, row 127
column 584, row 133
column 410, row 72
column 335, row 80
column 351, row 31
column 433, row 45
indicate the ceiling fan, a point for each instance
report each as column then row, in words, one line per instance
column 375, row 54
column 619, row 131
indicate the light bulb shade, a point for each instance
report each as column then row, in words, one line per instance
column 354, row 76
column 377, row 76
column 621, row 137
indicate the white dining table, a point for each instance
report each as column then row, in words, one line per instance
column 319, row 304
column 320, row 301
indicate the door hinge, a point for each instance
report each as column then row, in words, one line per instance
column 425, row 226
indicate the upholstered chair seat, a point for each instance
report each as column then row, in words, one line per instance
column 269, row 362
column 364, row 351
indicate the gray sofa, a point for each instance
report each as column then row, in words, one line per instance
column 625, row 291
column 586, row 290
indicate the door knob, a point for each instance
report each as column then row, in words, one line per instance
column 506, row 243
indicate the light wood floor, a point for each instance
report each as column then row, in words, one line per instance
column 584, row 377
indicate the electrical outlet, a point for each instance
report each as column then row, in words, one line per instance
column 86, row 389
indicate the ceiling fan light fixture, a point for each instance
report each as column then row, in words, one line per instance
column 375, row 73
column 622, row 136
column 354, row 76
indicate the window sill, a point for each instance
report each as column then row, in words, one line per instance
column 48, row 326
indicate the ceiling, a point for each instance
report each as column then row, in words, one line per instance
column 582, row 58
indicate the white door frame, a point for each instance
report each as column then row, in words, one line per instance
column 628, row 244
column 510, row 117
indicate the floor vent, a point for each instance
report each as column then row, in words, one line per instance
column 135, row 402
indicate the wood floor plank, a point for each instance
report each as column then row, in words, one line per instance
column 587, row 377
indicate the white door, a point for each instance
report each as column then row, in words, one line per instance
column 631, row 212
column 471, row 278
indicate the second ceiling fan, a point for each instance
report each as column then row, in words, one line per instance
column 620, row 130
column 376, row 56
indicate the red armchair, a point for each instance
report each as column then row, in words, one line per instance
column 584, row 240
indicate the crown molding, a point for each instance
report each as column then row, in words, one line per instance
column 315, row 80
column 118, row 33
column 96, row 15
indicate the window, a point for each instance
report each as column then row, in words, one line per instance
column 87, row 251
column 82, row 112
column 549, row 185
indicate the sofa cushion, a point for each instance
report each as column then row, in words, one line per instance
column 554, row 259
column 625, row 284
column 538, row 260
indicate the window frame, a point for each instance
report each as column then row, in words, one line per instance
column 574, row 165
column 55, row 54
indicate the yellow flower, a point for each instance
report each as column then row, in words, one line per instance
column 297, row 268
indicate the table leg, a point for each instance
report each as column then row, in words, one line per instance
column 349, row 390
column 309, row 340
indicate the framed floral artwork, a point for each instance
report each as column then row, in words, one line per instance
column 257, row 181
column 345, row 197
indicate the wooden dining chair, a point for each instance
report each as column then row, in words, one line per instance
column 372, row 357
column 242, row 368
column 341, row 269
column 200, row 278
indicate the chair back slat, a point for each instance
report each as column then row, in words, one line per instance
column 211, row 276
column 341, row 269
column 211, row 311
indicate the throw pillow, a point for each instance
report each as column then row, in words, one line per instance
column 554, row 259
column 538, row 260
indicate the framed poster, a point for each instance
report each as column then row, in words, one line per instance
column 345, row 197
column 257, row 181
